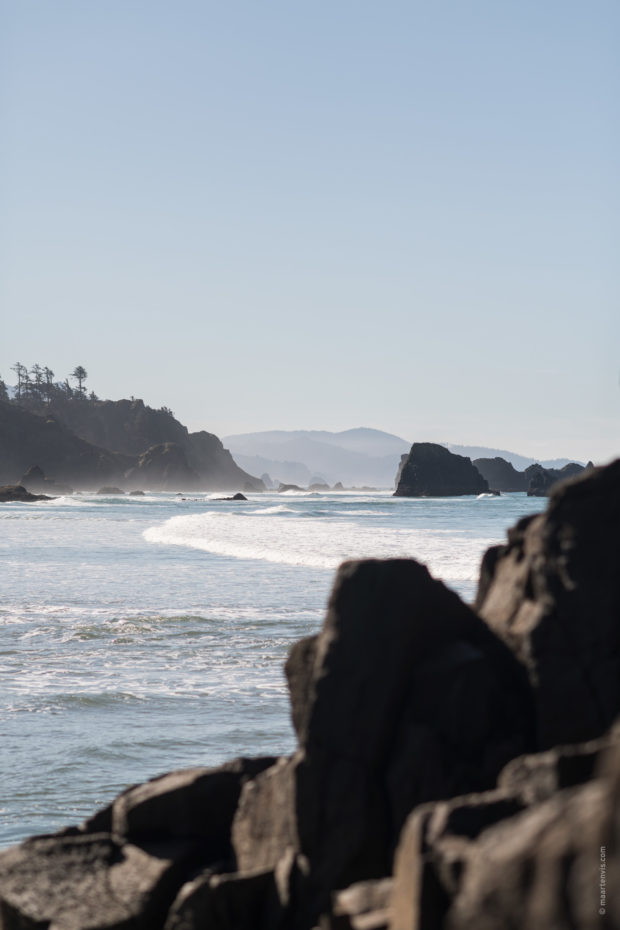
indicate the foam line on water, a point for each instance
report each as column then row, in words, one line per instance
column 322, row 544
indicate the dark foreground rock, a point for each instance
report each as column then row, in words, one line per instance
column 432, row 470
column 428, row 789
column 552, row 594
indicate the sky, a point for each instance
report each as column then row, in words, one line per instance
column 295, row 215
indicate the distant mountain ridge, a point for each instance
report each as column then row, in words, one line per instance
column 360, row 456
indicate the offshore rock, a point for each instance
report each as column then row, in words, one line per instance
column 502, row 475
column 553, row 595
column 17, row 492
column 432, row 471
column 540, row 481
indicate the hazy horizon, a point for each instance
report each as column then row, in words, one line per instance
column 404, row 217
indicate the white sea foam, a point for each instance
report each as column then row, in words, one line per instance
column 322, row 544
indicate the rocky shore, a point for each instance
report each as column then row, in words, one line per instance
column 457, row 767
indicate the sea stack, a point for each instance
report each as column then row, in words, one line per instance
column 432, row 470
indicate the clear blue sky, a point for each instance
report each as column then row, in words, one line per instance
column 321, row 215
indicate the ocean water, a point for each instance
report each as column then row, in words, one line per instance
column 143, row 634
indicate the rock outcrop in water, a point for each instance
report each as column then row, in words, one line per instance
column 456, row 768
column 540, row 481
column 432, row 471
column 17, row 492
column 501, row 475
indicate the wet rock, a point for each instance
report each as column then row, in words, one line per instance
column 110, row 491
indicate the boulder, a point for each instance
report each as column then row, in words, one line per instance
column 432, row 471
column 236, row 497
column 555, row 865
column 371, row 700
column 552, row 594
column 110, row 491
column 86, row 882
column 288, row 487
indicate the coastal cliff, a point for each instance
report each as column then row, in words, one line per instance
column 457, row 767
column 85, row 443
column 431, row 470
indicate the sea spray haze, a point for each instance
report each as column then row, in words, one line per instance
column 144, row 634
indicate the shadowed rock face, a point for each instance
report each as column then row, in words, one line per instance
column 72, row 443
column 552, row 594
column 501, row 475
column 541, row 481
column 17, row 492
column 432, row 471
column 165, row 467
column 26, row 438
column 409, row 803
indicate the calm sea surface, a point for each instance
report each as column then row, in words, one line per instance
column 143, row 634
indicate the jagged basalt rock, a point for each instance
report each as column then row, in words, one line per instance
column 432, row 471
column 370, row 700
column 553, row 595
